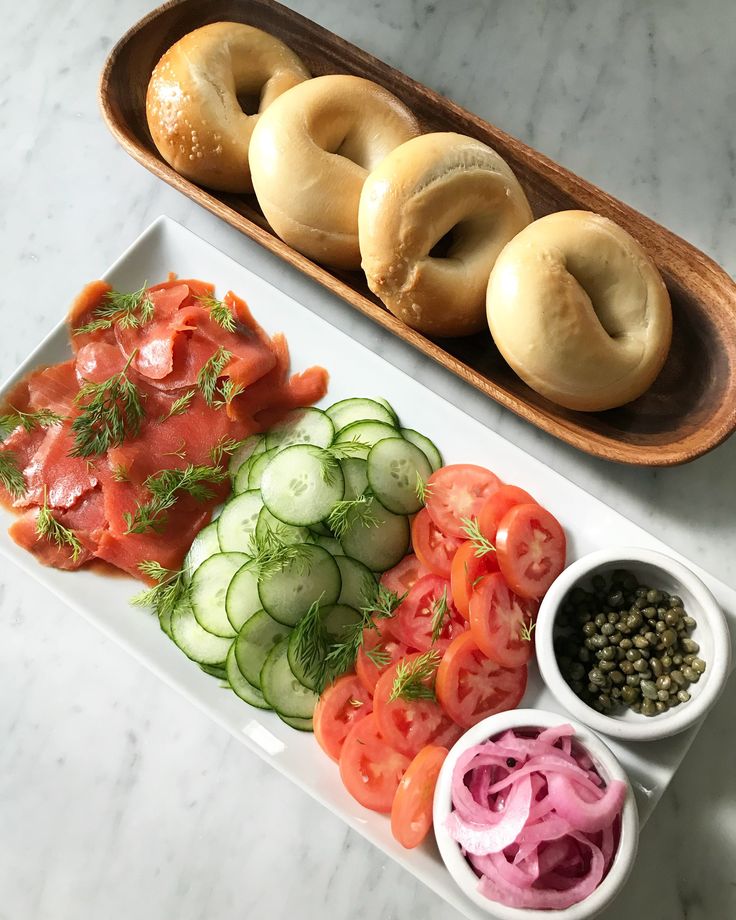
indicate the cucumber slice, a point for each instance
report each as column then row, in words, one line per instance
column 355, row 473
column 164, row 621
column 196, row 643
column 387, row 405
column 301, row 725
column 204, row 545
column 321, row 529
column 240, row 483
column 301, row 485
column 394, row 468
column 237, row 523
column 240, row 685
column 379, row 546
column 242, row 599
column 252, row 445
column 427, row 447
column 335, row 619
column 254, row 644
column 332, row 545
column 347, row 411
column 288, row 594
column 208, row 590
column 302, row 426
column 282, row 690
column 215, row 670
column 285, row 532
column 258, row 465
column 365, row 433
column 357, row 582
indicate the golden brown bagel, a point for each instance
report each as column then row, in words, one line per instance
column 431, row 186
column 310, row 154
column 579, row 311
column 192, row 106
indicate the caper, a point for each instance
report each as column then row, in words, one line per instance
column 669, row 637
column 608, row 629
column 656, row 665
column 641, row 665
column 598, row 642
column 663, row 682
column 663, row 695
column 625, row 644
column 653, row 596
column 633, row 680
column 617, row 677
column 596, row 676
column 600, row 620
column 679, row 678
column 671, row 618
column 675, row 601
column 677, row 660
column 626, row 667
column 660, row 627
column 629, row 695
column 690, row 646
column 648, row 708
column 688, row 659
column 660, row 706
column 589, row 629
column 683, row 696
column 607, row 654
column 651, row 637
column 633, row 654
column 640, row 642
column 606, row 666
column 649, row 689
column 698, row 665
column 689, row 622
column 691, row 674
column 634, row 620
column 666, row 662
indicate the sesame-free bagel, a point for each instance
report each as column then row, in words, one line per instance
column 310, row 154
column 579, row 311
column 193, row 101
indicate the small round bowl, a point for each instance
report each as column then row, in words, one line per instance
column 711, row 633
column 607, row 766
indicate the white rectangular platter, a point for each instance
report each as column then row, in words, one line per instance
column 354, row 371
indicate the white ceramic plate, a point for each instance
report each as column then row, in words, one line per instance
column 354, row 371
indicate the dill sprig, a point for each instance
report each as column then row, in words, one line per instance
column 210, row 373
column 412, row 676
column 422, row 489
column 482, row 544
column 41, row 418
column 356, row 704
column 350, row 512
column 381, row 602
column 120, row 473
column 165, row 596
column 165, row 488
column 440, row 609
column 219, row 311
column 527, row 628
column 379, row 656
column 332, row 455
column 49, row 528
column 179, row 405
column 125, row 310
column 270, row 554
column 108, row 413
column 226, row 393
column 11, row 475
column 311, row 643
column 225, row 447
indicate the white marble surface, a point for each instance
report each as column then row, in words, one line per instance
column 117, row 799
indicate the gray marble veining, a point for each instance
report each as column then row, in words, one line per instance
column 117, row 799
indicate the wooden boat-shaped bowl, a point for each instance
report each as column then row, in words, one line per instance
column 692, row 406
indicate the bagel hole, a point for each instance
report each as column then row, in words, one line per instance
column 249, row 102
column 441, row 248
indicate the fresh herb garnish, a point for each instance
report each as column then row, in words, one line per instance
column 379, row 656
column 179, row 406
column 270, row 554
column 352, row 512
column 120, row 473
column 527, row 628
column 410, row 682
column 225, row 447
column 49, row 528
column 422, row 489
column 482, row 544
column 311, row 642
column 219, row 311
column 165, row 488
column 440, row 609
column 125, row 310
column 167, row 594
column 226, row 393
column 356, row 704
column 210, row 373
column 41, row 418
column 11, row 475
column 108, row 413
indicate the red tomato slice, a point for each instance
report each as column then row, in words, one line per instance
column 414, row 618
column 498, row 620
column 409, row 725
column 467, row 569
column 367, row 670
column 341, row 705
column 456, row 493
column 402, row 576
column 496, row 507
column 434, row 548
column 411, row 812
column 531, row 548
column 471, row 687
column 369, row 767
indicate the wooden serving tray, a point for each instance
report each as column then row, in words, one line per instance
column 692, row 406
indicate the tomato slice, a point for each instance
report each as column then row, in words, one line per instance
column 369, row 767
column 434, row 548
column 458, row 492
column 471, row 687
column 366, row 668
column 402, row 576
column 499, row 620
column 413, row 621
column 411, row 812
column 409, row 725
column 496, row 507
column 341, row 705
column 531, row 548
column 467, row 569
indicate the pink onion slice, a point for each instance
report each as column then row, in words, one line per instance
column 584, row 815
column 493, row 837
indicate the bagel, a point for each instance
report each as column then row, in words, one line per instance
column 192, row 104
column 579, row 311
column 310, row 154
column 432, row 186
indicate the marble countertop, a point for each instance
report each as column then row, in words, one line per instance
column 117, row 798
